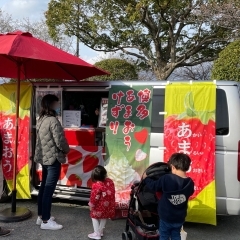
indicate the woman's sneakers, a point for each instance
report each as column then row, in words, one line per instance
column 94, row 235
column 51, row 225
column 39, row 220
column 4, row 232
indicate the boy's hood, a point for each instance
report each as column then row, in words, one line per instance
column 186, row 183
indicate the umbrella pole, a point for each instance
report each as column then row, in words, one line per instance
column 14, row 189
column 15, row 214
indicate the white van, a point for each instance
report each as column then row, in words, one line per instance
column 227, row 135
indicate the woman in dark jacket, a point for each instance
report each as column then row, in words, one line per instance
column 50, row 152
column 3, row 232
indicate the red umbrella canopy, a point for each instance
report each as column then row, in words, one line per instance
column 39, row 59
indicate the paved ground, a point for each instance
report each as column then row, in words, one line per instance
column 77, row 224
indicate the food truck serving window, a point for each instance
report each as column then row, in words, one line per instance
column 80, row 113
column 86, row 102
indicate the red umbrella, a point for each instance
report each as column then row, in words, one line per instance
column 38, row 59
column 24, row 57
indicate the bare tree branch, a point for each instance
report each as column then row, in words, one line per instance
column 223, row 13
column 199, row 72
column 6, row 22
column 197, row 62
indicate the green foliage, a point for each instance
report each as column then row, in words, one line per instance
column 159, row 35
column 227, row 66
column 120, row 70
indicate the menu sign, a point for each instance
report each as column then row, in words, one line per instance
column 71, row 119
column 128, row 137
column 103, row 112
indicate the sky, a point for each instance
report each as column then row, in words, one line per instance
column 34, row 9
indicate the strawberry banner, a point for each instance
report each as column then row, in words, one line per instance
column 7, row 130
column 189, row 128
column 128, row 137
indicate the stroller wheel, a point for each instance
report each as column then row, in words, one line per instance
column 125, row 236
column 131, row 235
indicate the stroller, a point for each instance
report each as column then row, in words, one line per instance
column 143, row 220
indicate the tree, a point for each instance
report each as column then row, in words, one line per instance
column 227, row 66
column 6, row 25
column 146, row 75
column 6, row 22
column 225, row 13
column 39, row 29
column 160, row 35
column 120, row 69
column 199, row 72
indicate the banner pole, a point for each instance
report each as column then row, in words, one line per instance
column 15, row 214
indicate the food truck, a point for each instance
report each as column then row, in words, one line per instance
column 108, row 123
column 82, row 114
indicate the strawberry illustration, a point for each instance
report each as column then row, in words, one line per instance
column 123, row 195
column 64, row 169
column 90, row 148
column 23, row 138
column 74, row 157
column 89, row 183
column 39, row 174
column 90, row 162
column 73, row 180
column 201, row 147
column 141, row 136
column 140, row 155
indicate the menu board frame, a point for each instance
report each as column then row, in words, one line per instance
column 72, row 125
column 103, row 113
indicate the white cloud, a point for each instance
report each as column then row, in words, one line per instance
column 25, row 8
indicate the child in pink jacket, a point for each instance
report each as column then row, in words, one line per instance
column 102, row 201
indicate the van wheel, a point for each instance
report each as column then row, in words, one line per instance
column 125, row 236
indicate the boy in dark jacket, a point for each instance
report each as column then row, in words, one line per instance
column 3, row 232
column 176, row 189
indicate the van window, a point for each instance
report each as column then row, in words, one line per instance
column 222, row 118
column 158, row 106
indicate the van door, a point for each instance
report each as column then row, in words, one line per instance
column 227, row 138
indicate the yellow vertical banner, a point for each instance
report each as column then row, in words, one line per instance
column 189, row 127
column 7, row 130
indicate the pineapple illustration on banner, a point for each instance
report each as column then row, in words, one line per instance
column 189, row 128
column 128, row 138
